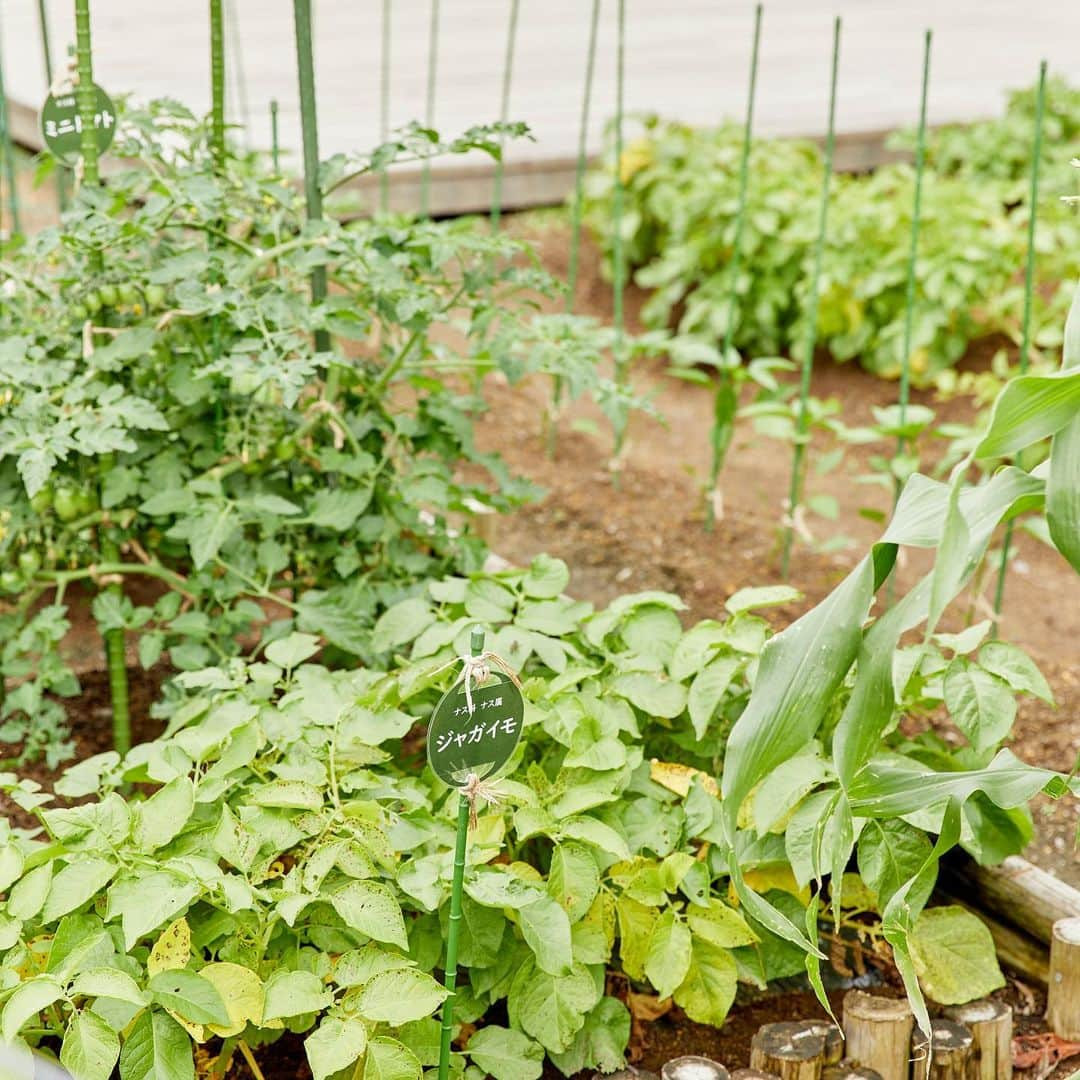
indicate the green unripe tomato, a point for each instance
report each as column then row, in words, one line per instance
column 66, row 503
column 10, row 581
column 42, row 502
column 92, row 300
column 286, row 448
column 155, row 296
column 110, row 295
column 127, row 294
column 86, row 500
column 29, row 563
column 79, row 312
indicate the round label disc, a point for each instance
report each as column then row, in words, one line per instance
column 480, row 742
column 61, row 124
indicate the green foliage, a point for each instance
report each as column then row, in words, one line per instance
column 167, row 422
column 679, row 225
column 291, row 869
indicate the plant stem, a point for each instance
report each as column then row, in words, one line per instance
column 726, row 402
column 802, row 421
column 504, row 113
column 576, row 210
column 7, row 148
column 217, row 83
column 384, row 101
column 618, row 251
column 305, row 63
column 1029, row 288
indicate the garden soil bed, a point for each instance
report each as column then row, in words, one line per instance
column 648, row 531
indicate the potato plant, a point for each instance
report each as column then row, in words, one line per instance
column 291, row 870
column 171, row 441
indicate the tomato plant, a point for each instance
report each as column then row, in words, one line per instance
column 166, row 418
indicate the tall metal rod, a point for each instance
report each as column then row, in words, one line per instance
column 429, row 104
column 7, row 148
column 726, row 401
column 576, row 214
column 217, row 82
column 916, row 218
column 1029, row 289
column 582, row 160
column 46, row 56
column 456, row 888
column 802, row 421
column 618, row 248
column 305, row 65
column 235, row 41
column 504, row 112
column 384, row 100
column 275, row 137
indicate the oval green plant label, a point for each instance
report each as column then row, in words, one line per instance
column 61, row 124
column 480, row 742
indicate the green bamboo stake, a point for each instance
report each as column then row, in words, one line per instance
column 504, row 113
column 384, row 101
column 217, row 83
column 1029, row 287
column 275, row 140
column 476, row 644
column 725, row 401
column 46, row 55
column 7, row 147
column 802, row 422
column 916, row 218
column 618, row 249
column 305, row 63
column 110, row 552
column 429, row 104
column 576, row 212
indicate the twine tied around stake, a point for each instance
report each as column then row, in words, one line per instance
column 476, row 670
column 477, row 790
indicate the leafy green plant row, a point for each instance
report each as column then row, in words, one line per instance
column 167, row 425
column 681, row 194
column 291, row 870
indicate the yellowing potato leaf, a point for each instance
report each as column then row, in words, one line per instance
column 241, row 990
column 680, row 778
column 172, row 950
column 773, row 877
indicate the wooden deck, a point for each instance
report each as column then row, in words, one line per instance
column 685, row 58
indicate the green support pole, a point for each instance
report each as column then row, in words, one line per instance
column 305, row 63
column 576, row 212
column 582, row 160
column 275, row 140
column 726, row 402
column 916, row 217
column 429, row 104
column 618, row 248
column 454, row 928
column 801, row 433
column 384, row 101
column 234, row 39
column 46, row 56
column 1029, row 285
column 110, row 553
column 504, row 112
column 7, row 148
column 217, row 83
